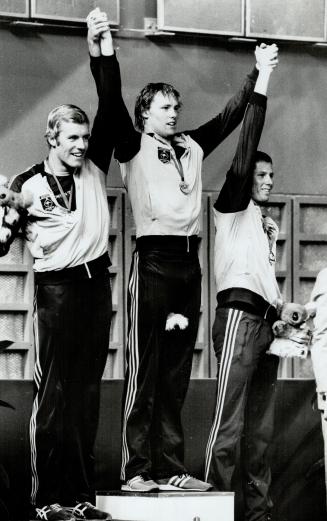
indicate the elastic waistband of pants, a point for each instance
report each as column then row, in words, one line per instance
column 246, row 300
column 87, row 270
column 172, row 243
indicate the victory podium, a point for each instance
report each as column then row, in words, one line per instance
column 167, row 506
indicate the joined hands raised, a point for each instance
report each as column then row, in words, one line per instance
column 99, row 36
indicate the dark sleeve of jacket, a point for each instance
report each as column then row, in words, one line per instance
column 235, row 194
column 112, row 116
column 212, row 133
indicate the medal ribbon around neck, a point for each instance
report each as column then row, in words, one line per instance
column 270, row 230
column 183, row 186
column 68, row 202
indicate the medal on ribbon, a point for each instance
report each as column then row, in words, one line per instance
column 184, row 187
column 164, row 155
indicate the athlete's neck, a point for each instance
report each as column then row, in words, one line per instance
column 58, row 167
column 165, row 140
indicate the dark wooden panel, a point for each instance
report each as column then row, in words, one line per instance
column 211, row 17
column 294, row 19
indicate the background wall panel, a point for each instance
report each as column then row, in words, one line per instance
column 72, row 10
column 16, row 307
column 115, row 362
column 212, row 16
column 309, row 255
column 35, row 81
column 294, row 19
column 16, row 8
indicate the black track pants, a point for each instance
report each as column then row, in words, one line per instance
column 71, row 327
column 245, row 401
column 162, row 281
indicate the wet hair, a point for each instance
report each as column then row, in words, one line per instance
column 145, row 98
column 66, row 113
column 261, row 156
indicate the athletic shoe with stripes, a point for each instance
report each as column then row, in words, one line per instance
column 140, row 483
column 86, row 510
column 53, row 512
column 183, row 482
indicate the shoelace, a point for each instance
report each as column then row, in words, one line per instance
column 136, row 478
column 56, row 507
column 179, row 479
column 81, row 507
column 44, row 511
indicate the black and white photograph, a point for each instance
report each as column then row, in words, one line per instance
column 163, row 260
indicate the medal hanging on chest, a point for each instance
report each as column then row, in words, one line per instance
column 165, row 156
column 184, row 187
column 269, row 228
column 67, row 202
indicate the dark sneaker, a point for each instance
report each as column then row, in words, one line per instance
column 88, row 511
column 183, row 482
column 140, row 484
column 54, row 512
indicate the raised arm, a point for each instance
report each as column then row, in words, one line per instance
column 212, row 133
column 105, row 71
column 112, row 124
column 236, row 191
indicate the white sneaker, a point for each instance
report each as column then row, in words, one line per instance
column 140, row 484
column 183, row 482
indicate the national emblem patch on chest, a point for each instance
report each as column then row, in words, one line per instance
column 47, row 203
column 163, row 155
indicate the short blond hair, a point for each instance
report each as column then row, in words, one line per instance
column 66, row 113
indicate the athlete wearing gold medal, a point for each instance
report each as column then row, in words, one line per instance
column 161, row 170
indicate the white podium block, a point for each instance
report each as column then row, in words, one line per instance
column 168, row 506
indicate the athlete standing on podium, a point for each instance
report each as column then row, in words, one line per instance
column 247, row 294
column 66, row 225
column 161, row 170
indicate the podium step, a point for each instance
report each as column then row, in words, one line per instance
column 167, row 506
